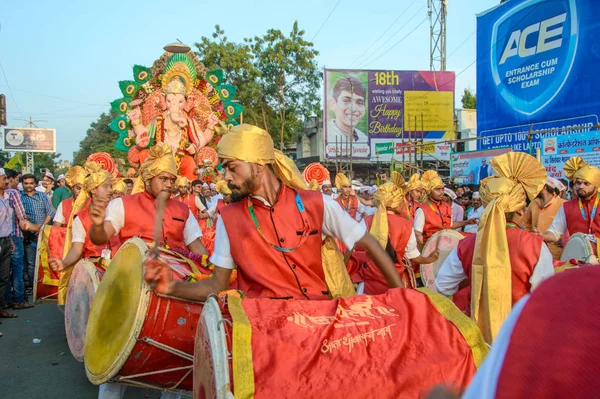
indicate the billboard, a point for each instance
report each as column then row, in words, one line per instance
column 29, row 139
column 556, row 151
column 473, row 166
column 381, row 110
column 537, row 72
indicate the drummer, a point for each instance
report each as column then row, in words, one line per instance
column 434, row 214
column 414, row 195
column 274, row 232
column 499, row 239
column 74, row 179
column 395, row 233
column 578, row 215
column 184, row 196
column 347, row 199
column 97, row 187
column 134, row 215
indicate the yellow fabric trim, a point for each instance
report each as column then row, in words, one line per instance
column 243, row 370
column 43, row 254
column 337, row 278
column 465, row 325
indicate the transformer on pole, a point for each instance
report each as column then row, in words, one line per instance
column 436, row 9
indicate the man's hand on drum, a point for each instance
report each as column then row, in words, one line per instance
column 98, row 212
column 159, row 275
column 56, row 265
column 434, row 256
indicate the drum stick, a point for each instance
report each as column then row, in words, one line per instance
column 161, row 200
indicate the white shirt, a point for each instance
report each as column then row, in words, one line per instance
column 411, row 246
column 333, row 132
column 6, row 217
column 474, row 214
column 78, row 233
column 452, row 273
column 199, row 203
column 115, row 214
column 559, row 224
column 59, row 217
column 458, row 213
column 336, row 223
column 419, row 222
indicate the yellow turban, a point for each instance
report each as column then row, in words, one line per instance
column 94, row 177
column 341, row 180
column 119, row 185
column 414, row 183
column 75, row 176
column 222, row 187
column 313, row 185
column 577, row 168
column 160, row 159
column 387, row 196
column 431, row 180
column 398, row 180
column 519, row 176
column 252, row 144
column 182, row 181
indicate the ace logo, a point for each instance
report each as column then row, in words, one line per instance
column 532, row 52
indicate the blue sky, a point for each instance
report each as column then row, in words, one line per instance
column 63, row 59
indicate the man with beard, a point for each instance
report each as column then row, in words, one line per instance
column 134, row 215
column 578, row 215
column 327, row 189
column 542, row 211
column 279, row 234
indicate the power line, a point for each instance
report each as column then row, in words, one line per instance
column 324, row 22
column 58, row 98
column 386, row 31
column 9, row 89
column 394, row 34
column 462, row 44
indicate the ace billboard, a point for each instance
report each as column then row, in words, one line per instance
column 376, row 112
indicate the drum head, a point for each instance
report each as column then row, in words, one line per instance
column 211, row 359
column 445, row 241
column 80, row 294
column 117, row 313
column 578, row 247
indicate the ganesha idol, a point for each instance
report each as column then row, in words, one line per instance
column 176, row 102
column 175, row 128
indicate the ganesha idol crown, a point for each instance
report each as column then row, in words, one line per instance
column 175, row 87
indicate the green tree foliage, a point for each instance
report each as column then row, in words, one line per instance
column 99, row 138
column 469, row 100
column 277, row 76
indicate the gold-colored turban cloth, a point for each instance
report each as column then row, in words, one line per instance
column 94, row 177
column 222, row 187
column 414, row 183
column 313, row 185
column 577, row 168
column 388, row 196
column 119, row 185
column 341, row 180
column 75, row 176
column 182, row 181
column 520, row 176
column 160, row 159
column 252, row 144
column 431, row 180
column 397, row 178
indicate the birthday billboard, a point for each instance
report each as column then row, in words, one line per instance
column 385, row 114
column 537, row 74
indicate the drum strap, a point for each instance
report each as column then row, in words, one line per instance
column 438, row 212
column 593, row 214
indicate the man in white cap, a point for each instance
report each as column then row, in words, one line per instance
column 458, row 213
column 61, row 180
column 474, row 214
column 63, row 192
column 327, row 188
column 48, row 182
column 542, row 211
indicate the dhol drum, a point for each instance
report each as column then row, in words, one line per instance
column 82, row 288
column 136, row 336
column 445, row 241
column 50, row 244
column 246, row 347
column 580, row 248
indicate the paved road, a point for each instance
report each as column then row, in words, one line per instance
column 46, row 370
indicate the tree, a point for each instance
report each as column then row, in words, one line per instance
column 45, row 160
column 277, row 105
column 99, row 138
column 469, row 100
column 289, row 74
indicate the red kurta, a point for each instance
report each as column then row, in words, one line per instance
column 575, row 222
column 91, row 250
column 350, row 205
column 67, row 209
column 400, row 229
column 524, row 253
column 190, row 201
column 266, row 272
column 140, row 214
column 436, row 219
